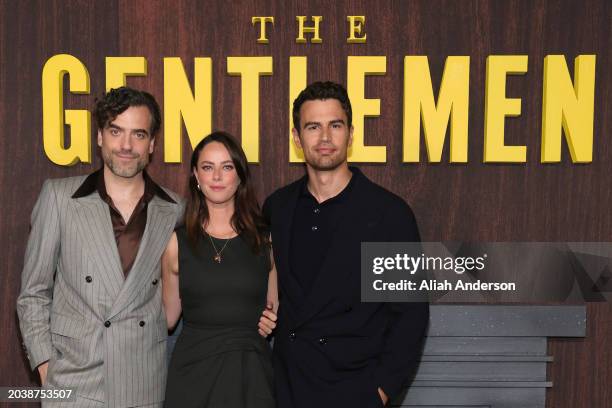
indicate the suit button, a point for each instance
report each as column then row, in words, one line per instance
column 322, row 340
column 155, row 281
column 348, row 309
column 107, row 324
column 88, row 279
column 141, row 323
column 292, row 335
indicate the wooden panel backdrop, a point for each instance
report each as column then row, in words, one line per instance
column 478, row 202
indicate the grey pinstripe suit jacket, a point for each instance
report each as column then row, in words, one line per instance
column 73, row 286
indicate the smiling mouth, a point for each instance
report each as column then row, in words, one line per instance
column 125, row 157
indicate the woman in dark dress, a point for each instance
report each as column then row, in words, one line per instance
column 218, row 271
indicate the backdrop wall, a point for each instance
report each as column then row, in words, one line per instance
column 464, row 202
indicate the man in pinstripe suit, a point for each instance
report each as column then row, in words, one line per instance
column 90, row 305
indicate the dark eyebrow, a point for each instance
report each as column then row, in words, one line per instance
column 333, row 122
column 311, row 123
column 112, row 125
column 223, row 162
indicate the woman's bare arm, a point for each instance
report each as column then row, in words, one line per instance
column 267, row 321
column 170, row 282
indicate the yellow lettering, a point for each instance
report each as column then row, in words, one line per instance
column 355, row 27
column 263, row 39
column 357, row 69
column 250, row 69
column 316, row 39
column 568, row 106
column 53, row 111
column 194, row 108
column 297, row 82
column 453, row 102
column 119, row 68
column 497, row 107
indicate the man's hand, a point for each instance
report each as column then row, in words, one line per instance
column 267, row 321
column 383, row 396
column 42, row 371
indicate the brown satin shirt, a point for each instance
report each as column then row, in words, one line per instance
column 127, row 234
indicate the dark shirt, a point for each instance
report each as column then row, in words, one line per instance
column 312, row 231
column 127, row 235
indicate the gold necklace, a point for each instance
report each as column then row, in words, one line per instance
column 217, row 258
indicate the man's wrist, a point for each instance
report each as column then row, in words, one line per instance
column 39, row 352
column 383, row 396
column 42, row 372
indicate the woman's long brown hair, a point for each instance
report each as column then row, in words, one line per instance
column 247, row 219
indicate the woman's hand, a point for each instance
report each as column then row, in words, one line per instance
column 267, row 321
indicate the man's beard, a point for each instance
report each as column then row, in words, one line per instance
column 325, row 163
column 125, row 170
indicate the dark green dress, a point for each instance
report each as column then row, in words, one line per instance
column 220, row 360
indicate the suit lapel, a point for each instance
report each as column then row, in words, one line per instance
column 282, row 245
column 161, row 220
column 94, row 225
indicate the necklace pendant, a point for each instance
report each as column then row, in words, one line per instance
column 217, row 258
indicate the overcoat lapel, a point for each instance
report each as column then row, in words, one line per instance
column 161, row 220
column 94, row 226
column 281, row 239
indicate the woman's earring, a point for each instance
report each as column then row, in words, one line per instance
column 198, row 184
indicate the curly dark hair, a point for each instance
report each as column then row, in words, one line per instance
column 321, row 91
column 117, row 100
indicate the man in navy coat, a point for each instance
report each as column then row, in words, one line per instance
column 332, row 350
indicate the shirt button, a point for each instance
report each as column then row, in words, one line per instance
column 154, row 281
column 88, row 279
column 314, row 228
column 316, row 210
column 141, row 323
column 107, row 323
column 292, row 335
column 322, row 340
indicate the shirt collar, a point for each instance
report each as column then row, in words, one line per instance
column 95, row 182
column 341, row 196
